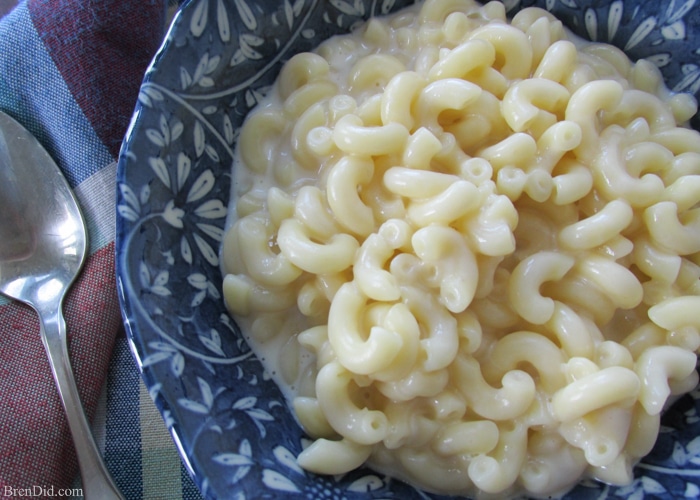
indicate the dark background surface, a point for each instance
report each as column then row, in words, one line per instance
column 6, row 6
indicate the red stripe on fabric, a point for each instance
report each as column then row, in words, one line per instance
column 35, row 444
column 105, row 80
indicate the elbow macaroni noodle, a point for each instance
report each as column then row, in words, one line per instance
column 475, row 244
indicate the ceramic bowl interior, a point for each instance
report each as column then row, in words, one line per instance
column 229, row 420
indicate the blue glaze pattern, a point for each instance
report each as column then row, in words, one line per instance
column 229, row 420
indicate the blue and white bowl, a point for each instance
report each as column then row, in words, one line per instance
column 229, row 420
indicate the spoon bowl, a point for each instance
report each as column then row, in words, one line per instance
column 44, row 245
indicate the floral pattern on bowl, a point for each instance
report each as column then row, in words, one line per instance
column 228, row 419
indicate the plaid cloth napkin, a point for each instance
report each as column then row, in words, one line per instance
column 70, row 71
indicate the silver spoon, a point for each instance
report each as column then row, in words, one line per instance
column 43, row 242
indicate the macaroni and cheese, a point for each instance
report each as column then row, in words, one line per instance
column 468, row 248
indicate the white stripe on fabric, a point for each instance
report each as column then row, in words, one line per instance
column 33, row 91
column 160, row 461
column 97, row 198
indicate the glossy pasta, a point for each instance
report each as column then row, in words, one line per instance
column 469, row 249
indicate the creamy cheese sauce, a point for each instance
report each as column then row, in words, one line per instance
column 274, row 337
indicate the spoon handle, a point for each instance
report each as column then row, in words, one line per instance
column 97, row 482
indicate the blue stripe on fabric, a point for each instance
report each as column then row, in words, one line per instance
column 189, row 489
column 34, row 93
column 122, row 428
